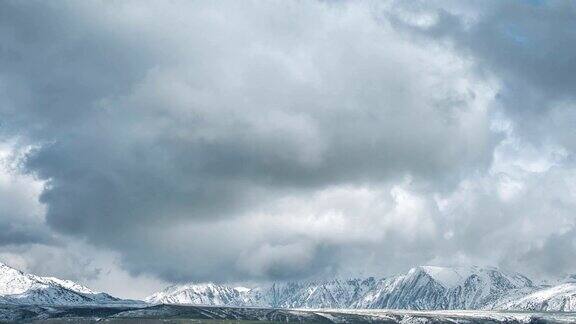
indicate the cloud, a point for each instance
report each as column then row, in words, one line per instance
column 280, row 140
column 526, row 45
column 22, row 220
column 556, row 253
column 201, row 128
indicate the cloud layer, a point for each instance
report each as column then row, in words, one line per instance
column 281, row 140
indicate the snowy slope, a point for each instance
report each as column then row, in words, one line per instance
column 421, row 288
column 17, row 287
column 561, row 297
column 334, row 293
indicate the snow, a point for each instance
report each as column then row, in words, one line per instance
column 242, row 289
column 421, row 288
column 69, row 284
column 561, row 297
column 21, row 288
column 554, row 291
column 426, row 287
column 13, row 281
column 447, row 277
column 201, row 294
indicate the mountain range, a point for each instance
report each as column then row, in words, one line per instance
column 421, row 288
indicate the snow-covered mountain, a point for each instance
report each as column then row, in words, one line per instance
column 427, row 287
column 209, row 294
column 421, row 288
column 326, row 294
column 17, row 287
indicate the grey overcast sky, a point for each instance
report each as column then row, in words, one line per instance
column 144, row 143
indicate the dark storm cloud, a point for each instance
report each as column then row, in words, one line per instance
column 15, row 233
column 188, row 126
column 510, row 36
column 557, row 253
column 287, row 139
column 529, row 46
column 55, row 64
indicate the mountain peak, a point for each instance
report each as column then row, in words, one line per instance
column 17, row 287
column 6, row 268
column 207, row 293
column 447, row 277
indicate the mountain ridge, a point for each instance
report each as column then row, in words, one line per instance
column 17, row 287
column 421, row 288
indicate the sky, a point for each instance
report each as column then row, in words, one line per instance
column 147, row 143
